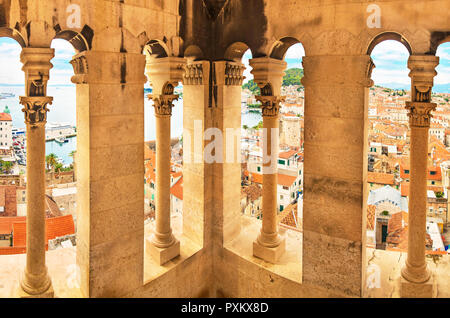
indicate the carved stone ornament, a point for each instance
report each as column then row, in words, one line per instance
column 420, row 113
column 270, row 105
column 35, row 109
column 163, row 104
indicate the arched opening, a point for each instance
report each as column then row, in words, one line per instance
column 290, row 153
column 60, row 188
column 157, row 96
column 388, row 147
column 388, row 154
column 61, row 145
column 12, row 148
column 437, row 209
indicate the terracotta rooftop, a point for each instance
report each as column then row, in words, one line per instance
column 380, row 178
column 177, row 189
column 5, row 117
column 6, row 223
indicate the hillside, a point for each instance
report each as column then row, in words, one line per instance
column 293, row 77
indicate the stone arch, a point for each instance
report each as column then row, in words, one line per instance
column 13, row 34
column 279, row 48
column 236, row 51
column 385, row 36
column 438, row 38
column 81, row 41
column 156, row 49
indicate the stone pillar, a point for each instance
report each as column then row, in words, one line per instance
column 415, row 274
column 268, row 75
column 197, row 176
column 226, row 111
column 35, row 281
column 164, row 74
column 335, row 171
column 110, row 170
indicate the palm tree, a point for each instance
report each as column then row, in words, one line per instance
column 72, row 153
column 58, row 167
column 51, row 161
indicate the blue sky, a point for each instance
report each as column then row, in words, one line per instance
column 390, row 58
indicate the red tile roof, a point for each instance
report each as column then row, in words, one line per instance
column 5, row 117
column 287, row 154
column 177, row 189
column 380, row 178
column 55, row 227
column 283, row 179
column 59, row 226
column 6, row 223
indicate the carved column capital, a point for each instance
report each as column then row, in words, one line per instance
column 420, row 113
column 163, row 104
column 270, row 105
column 35, row 109
column 80, row 68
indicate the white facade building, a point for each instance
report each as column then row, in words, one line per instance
column 5, row 130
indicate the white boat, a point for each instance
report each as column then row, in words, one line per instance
column 61, row 140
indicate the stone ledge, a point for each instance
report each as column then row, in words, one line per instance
column 289, row 265
column 62, row 268
column 187, row 248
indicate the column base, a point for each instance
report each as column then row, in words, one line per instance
column 416, row 290
column 163, row 255
column 49, row 293
column 269, row 254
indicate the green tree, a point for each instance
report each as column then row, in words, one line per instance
column 51, row 160
column 6, row 166
column 293, row 77
column 245, row 127
column 252, row 87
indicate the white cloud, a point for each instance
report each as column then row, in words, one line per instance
column 383, row 76
column 296, row 51
column 11, row 67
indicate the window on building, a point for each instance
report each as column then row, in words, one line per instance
column 259, row 169
column 281, row 162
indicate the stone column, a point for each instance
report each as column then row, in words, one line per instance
column 35, row 281
column 415, row 274
column 164, row 75
column 268, row 74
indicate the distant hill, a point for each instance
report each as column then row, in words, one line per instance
column 293, row 77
